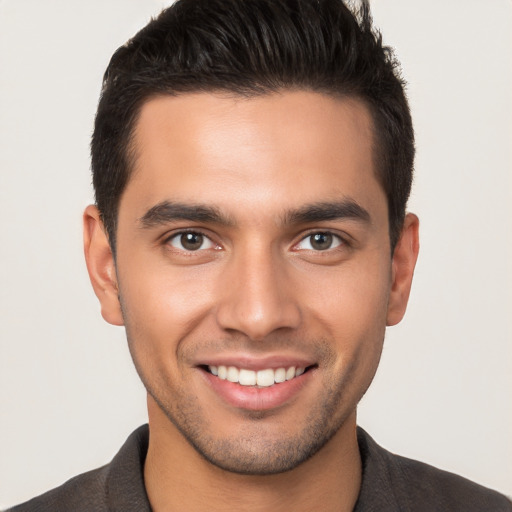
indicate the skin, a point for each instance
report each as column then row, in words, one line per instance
column 255, row 291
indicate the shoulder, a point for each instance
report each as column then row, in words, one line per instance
column 116, row 487
column 445, row 490
column 416, row 486
column 85, row 492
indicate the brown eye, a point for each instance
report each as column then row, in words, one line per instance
column 321, row 241
column 191, row 241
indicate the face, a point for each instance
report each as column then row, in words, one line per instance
column 254, row 271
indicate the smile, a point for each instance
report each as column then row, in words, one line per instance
column 258, row 385
column 261, row 378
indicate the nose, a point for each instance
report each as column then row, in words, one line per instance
column 258, row 296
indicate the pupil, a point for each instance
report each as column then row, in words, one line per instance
column 191, row 241
column 321, row 241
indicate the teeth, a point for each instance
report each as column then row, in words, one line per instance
column 233, row 373
column 290, row 373
column 265, row 378
column 261, row 378
column 280, row 375
column 247, row 378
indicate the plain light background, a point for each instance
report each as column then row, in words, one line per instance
column 68, row 393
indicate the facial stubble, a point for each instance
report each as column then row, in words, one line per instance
column 254, row 448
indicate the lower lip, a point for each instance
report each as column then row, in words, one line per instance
column 253, row 398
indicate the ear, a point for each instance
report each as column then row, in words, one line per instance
column 402, row 268
column 101, row 266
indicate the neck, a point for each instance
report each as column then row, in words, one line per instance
column 178, row 478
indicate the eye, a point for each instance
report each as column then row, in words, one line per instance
column 191, row 241
column 321, row 241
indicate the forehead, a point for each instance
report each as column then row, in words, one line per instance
column 264, row 152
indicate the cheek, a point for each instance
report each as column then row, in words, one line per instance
column 161, row 304
column 364, row 299
column 358, row 328
column 354, row 295
column 351, row 308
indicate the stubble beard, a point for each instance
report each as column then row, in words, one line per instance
column 252, row 450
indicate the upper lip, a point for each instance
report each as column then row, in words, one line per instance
column 257, row 363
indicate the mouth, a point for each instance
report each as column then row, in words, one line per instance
column 258, row 384
column 264, row 378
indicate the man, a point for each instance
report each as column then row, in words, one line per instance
column 252, row 162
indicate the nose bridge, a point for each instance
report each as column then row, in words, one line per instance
column 257, row 297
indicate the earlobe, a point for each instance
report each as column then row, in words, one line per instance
column 101, row 266
column 403, row 263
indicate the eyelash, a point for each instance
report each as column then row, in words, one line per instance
column 179, row 234
column 342, row 241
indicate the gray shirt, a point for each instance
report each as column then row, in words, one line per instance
column 390, row 484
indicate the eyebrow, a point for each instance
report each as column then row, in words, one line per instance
column 331, row 210
column 167, row 211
